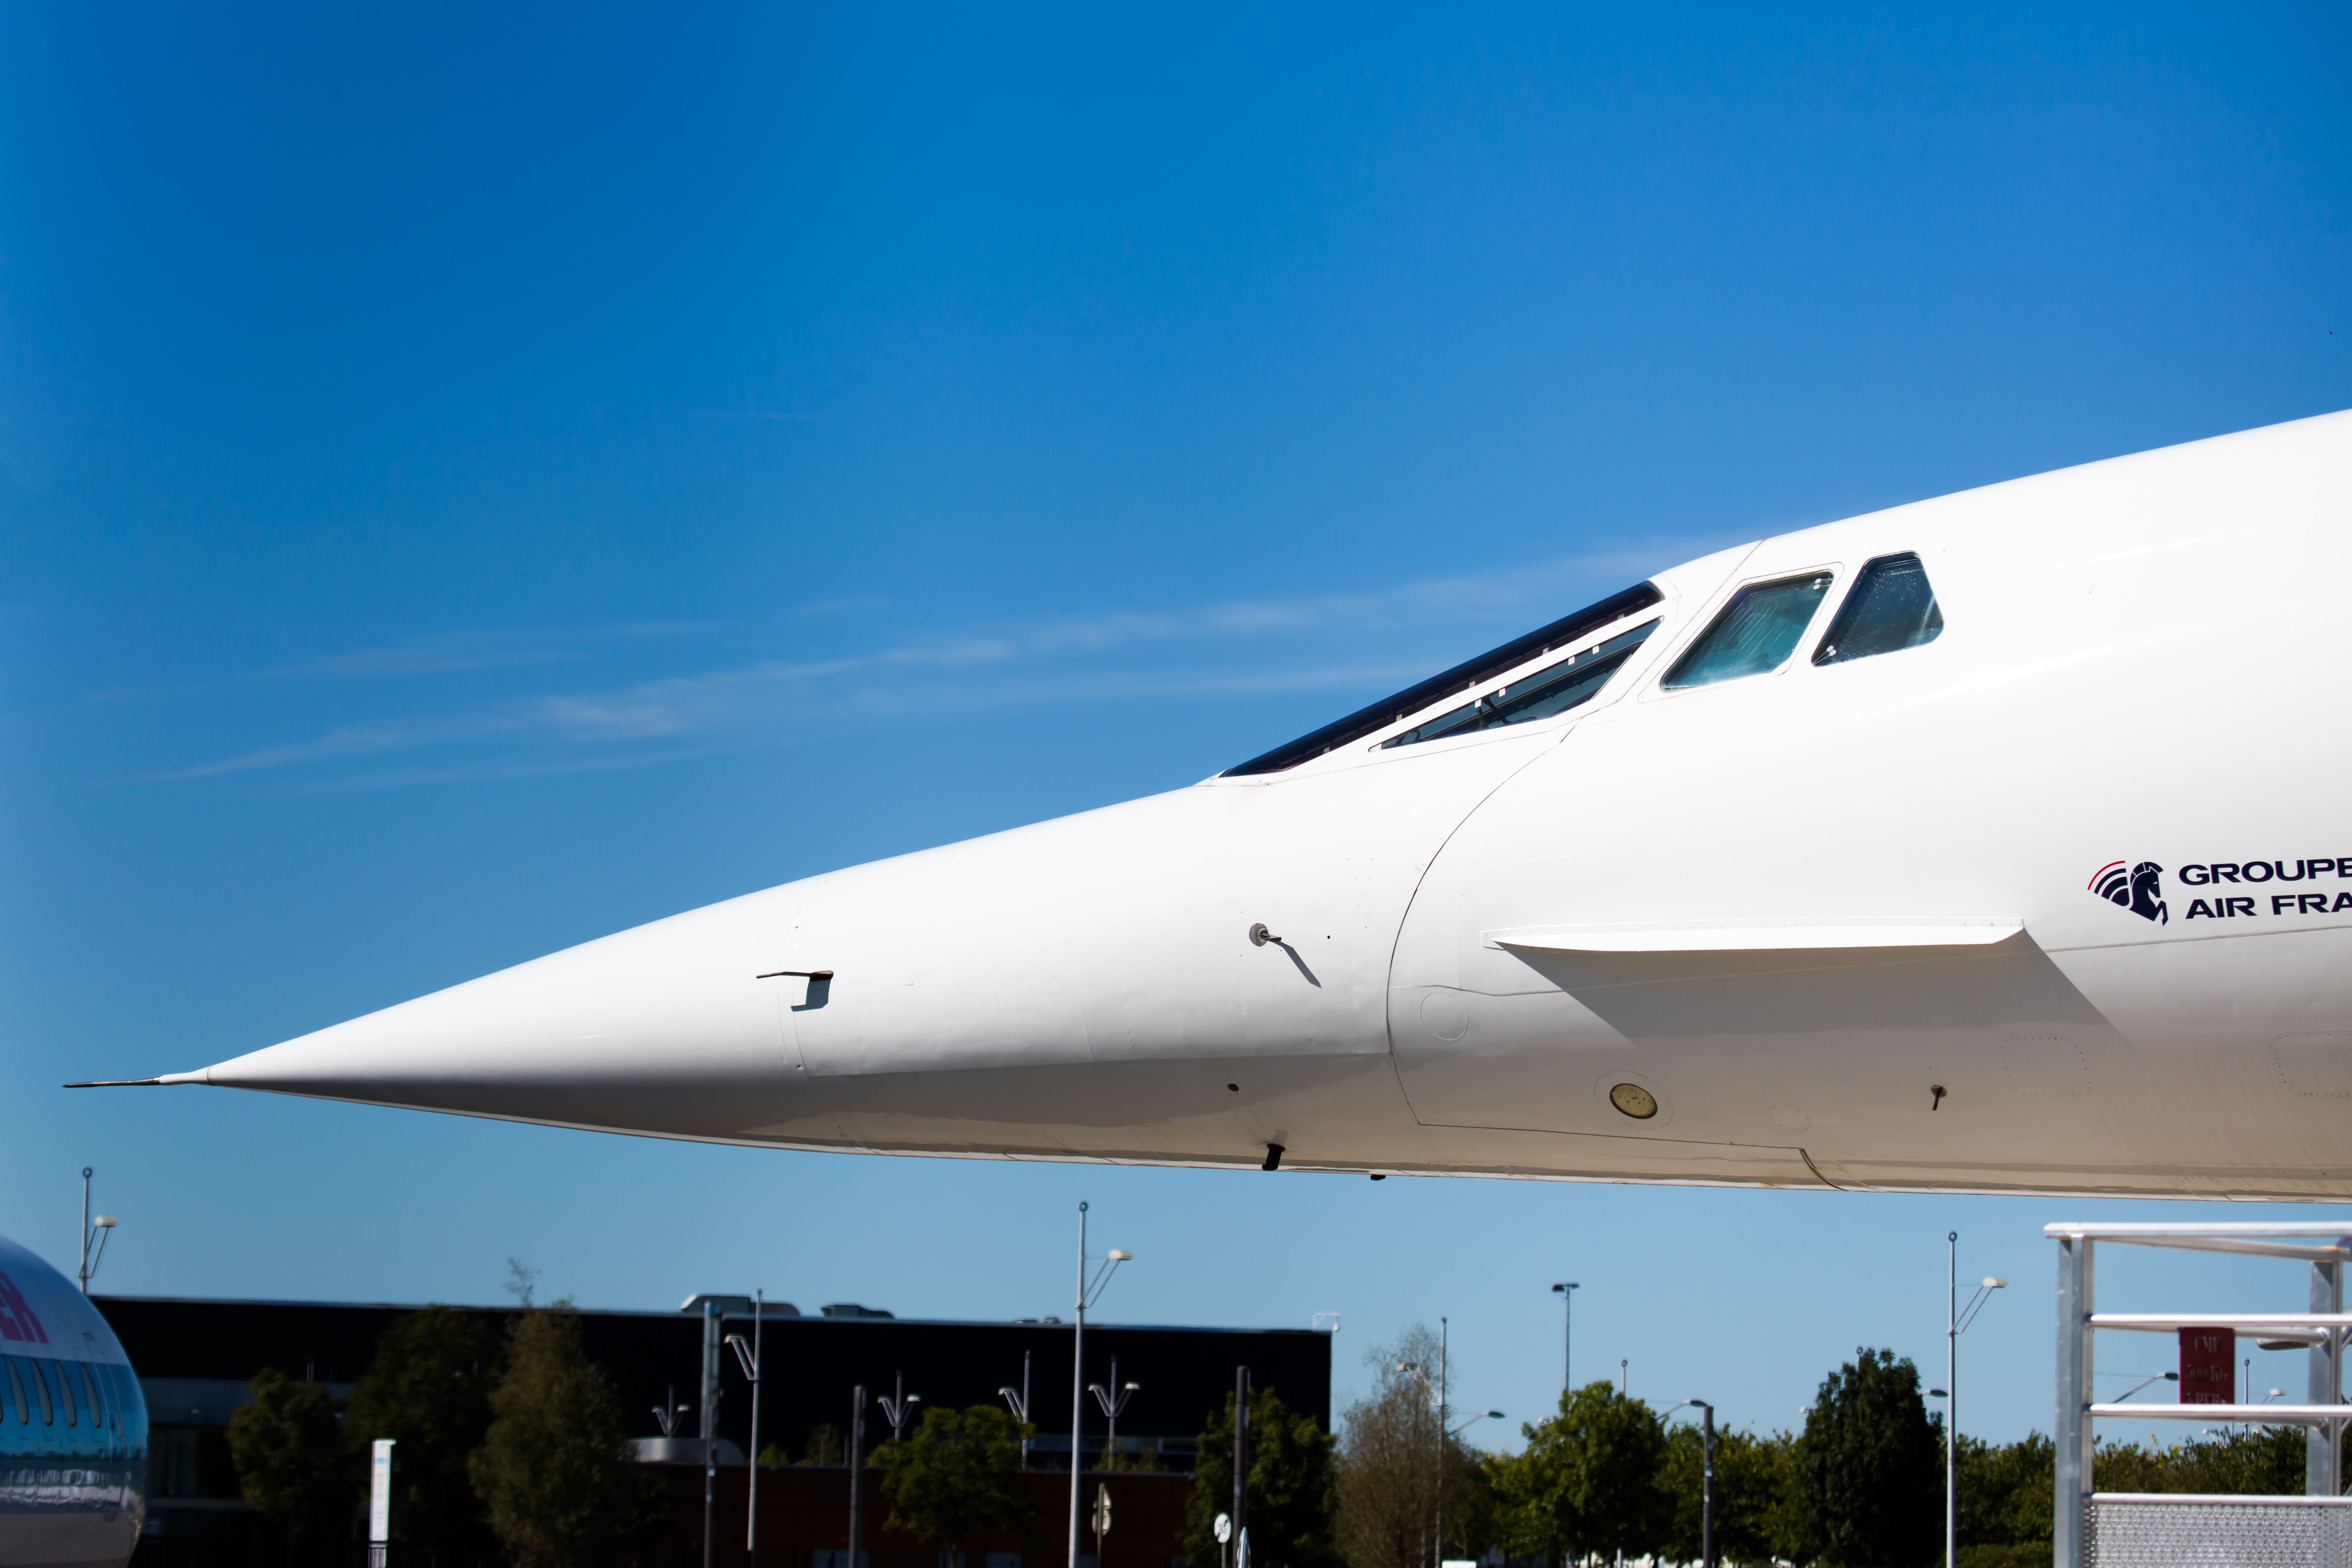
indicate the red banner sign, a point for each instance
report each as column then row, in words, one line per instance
column 2208, row 1366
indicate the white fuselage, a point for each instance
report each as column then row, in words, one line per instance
column 1836, row 921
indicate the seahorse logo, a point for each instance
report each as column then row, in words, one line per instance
column 2139, row 889
column 16, row 1319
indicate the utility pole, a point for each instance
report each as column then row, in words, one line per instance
column 1437, row 1551
column 1077, row 1388
column 856, row 1463
column 1241, row 1465
column 751, row 1508
column 1706, row 1480
column 712, row 1325
column 1706, row 1486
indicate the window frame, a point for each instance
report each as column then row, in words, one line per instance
column 1821, row 639
column 1379, row 750
column 1841, row 583
column 43, row 1394
column 1448, row 685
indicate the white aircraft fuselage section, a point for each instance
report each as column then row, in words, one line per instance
column 2060, row 900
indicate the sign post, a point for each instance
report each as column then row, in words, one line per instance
column 379, row 1502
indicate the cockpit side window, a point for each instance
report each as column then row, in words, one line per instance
column 1466, row 676
column 1755, row 634
column 1555, row 688
column 1891, row 607
column 17, row 1394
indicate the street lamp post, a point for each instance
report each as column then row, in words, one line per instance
column 2143, row 1382
column 1957, row 1319
column 1089, row 1292
column 1566, row 1290
column 1706, row 1480
column 94, row 1235
column 748, row 1357
column 1018, row 1399
column 900, row 1407
column 1459, row 1428
column 1112, row 1403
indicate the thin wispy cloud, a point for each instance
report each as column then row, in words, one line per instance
column 464, row 652
column 1234, row 648
column 461, row 652
column 436, row 656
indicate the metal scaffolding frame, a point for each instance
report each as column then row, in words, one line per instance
column 2325, row 1245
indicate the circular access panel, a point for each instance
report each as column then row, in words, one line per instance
column 1634, row 1100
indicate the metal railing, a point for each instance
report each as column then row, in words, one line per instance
column 2116, row 1530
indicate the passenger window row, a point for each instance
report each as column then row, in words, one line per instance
column 72, row 1391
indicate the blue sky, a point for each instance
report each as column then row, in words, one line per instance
column 469, row 483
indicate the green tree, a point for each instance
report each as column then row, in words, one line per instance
column 2005, row 1501
column 554, row 1468
column 428, row 1389
column 290, row 1463
column 1752, row 1477
column 1587, row 1481
column 1399, row 1478
column 1143, row 1459
column 825, row 1445
column 2263, row 1462
column 1869, row 1469
column 953, row 1477
column 1289, row 1489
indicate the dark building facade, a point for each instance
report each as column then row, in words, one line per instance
column 194, row 1359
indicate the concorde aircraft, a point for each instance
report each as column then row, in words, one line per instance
column 73, row 1425
column 1996, row 843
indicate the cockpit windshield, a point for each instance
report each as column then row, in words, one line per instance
column 1552, row 690
column 1556, row 688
